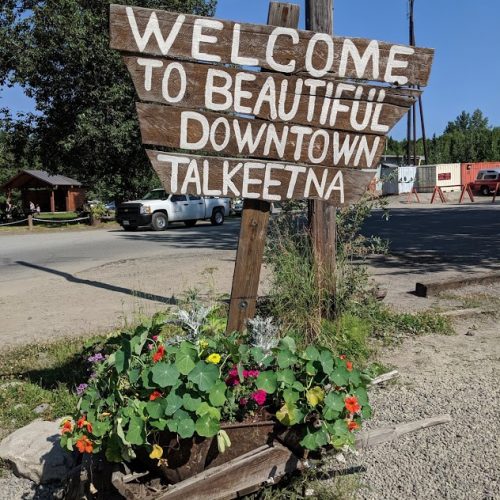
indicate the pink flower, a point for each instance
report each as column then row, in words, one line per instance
column 155, row 337
column 233, row 378
column 259, row 397
column 150, row 347
column 251, row 373
column 243, row 401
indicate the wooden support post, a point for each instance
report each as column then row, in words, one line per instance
column 322, row 215
column 254, row 219
column 52, row 201
column 30, row 221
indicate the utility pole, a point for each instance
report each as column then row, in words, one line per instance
column 322, row 222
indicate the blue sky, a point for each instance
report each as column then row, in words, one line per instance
column 465, row 34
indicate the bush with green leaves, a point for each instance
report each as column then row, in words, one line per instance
column 145, row 382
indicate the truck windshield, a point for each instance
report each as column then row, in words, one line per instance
column 156, row 194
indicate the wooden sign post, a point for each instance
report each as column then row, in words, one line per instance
column 308, row 122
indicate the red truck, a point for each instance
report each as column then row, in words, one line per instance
column 486, row 181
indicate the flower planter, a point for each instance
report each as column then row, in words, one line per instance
column 188, row 457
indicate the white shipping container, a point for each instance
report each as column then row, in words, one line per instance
column 448, row 176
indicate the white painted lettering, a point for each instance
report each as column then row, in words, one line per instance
column 182, row 79
column 269, row 182
column 349, row 50
column 282, row 68
column 235, row 50
column 393, row 63
column 311, row 50
column 149, row 64
column 248, row 181
column 192, row 177
column 199, row 37
column 184, row 141
column 337, row 184
column 211, row 88
column 240, row 94
column 153, row 28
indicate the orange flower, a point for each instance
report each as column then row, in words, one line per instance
column 155, row 395
column 348, row 365
column 352, row 405
column 352, row 425
column 67, row 426
column 158, row 355
column 84, row 445
column 82, row 422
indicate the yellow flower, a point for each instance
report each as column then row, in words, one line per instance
column 214, row 358
column 157, row 452
column 315, row 395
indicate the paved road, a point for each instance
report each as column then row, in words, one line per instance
column 70, row 283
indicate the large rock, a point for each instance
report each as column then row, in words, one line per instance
column 35, row 452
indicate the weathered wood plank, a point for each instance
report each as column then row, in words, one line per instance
column 375, row 437
column 427, row 288
column 358, row 107
column 232, row 135
column 241, row 474
column 182, row 36
column 260, row 180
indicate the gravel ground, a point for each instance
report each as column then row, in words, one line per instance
column 18, row 488
column 456, row 375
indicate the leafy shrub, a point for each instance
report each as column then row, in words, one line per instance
column 145, row 383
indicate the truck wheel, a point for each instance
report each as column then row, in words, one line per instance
column 217, row 218
column 190, row 223
column 159, row 221
column 485, row 190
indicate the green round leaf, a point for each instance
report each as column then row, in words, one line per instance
column 286, row 376
column 339, row 376
column 155, row 409
column 190, row 403
column 326, row 360
column 184, row 362
column 217, row 395
column 207, row 426
column 334, row 401
column 165, row 374
column 311, row 353
column 286, row 358
column 267, row 381
column 288, row 343
column 185, row 428
column 136, row 433
column 204, row 375
column 174, row 402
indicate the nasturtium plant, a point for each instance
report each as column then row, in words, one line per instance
column 147, row 381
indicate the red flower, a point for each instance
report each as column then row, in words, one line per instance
column 352, row 425
column 259, row 397
column 233, row 378
column 243, row 401
column 155, row 395
column 67, row 426
column 84, row 445
column 348, row 365
column 352, row 405
column 343, row 356
column 158, row 355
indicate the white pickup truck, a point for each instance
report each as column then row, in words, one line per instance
column 158, row 208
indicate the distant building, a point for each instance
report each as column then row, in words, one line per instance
column 400, row 160
column 53, row 193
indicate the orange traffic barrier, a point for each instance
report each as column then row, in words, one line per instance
column 438, row 191
column 466, row 189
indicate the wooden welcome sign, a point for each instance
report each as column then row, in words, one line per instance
column 307, row 129
column 264, row 112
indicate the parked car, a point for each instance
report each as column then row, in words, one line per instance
column 486, row 181
column 158, row 208
column 237, row 206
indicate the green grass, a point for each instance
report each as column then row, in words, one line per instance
column 57, row 215
column 36, row 374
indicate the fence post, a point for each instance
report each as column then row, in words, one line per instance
column 30, row 221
